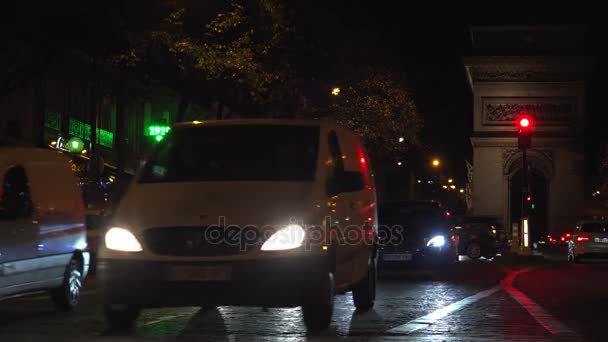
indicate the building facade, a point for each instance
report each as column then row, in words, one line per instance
column 68, row 99
column 550, row 89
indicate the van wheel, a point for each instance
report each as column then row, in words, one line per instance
column 364, row 292
column 66, row 297
column 121, row 317
column 318, row 308
column 474, row 250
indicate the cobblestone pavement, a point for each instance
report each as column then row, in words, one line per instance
column 474, row 301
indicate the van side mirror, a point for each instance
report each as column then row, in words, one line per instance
column 347, row 181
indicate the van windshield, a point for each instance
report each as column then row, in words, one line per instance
column 235, row 153
column 412, row 214
column 595, row 228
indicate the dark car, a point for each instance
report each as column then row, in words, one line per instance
column 479, row 237
column 416, row 232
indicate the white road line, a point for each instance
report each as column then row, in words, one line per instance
column 427, row 320
column 545, row 319
column 190, row 313
column 42, row 296
column 162, row 319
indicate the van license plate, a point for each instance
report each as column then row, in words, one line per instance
column 398, row 257
column 195, row 273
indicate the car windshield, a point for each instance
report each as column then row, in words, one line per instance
column 409, row 214
column 594, row 228
column 235, row 153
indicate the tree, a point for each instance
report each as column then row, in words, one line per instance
column 228, row 59
column 381, row 111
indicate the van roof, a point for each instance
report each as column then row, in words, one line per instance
column 278, row 122
column 24, row 155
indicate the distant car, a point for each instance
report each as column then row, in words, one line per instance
column 564, row 239
column 479, row 237
column 273, row 213
column 414, row 232
column 590, row 240
column 42, row 226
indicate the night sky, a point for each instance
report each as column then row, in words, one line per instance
column 428, row 46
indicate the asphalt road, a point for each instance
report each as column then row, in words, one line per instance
column 508, row 300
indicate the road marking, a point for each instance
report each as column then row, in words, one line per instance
column 185, row 313
column 545, row 319
column 43, row 296
column 162, row 319
column 427, row 320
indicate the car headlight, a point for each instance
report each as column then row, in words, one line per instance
column 289, row 237
column 120, row 239
column 436, row 241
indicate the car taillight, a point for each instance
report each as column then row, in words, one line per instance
column 582, row 238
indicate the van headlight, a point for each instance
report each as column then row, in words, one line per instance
column 120, row 239
column 436, row 241
column 286, row 238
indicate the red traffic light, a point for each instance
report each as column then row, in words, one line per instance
column 524, row 131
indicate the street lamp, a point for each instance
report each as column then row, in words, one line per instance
column 399, row 163
column 452, row 186
column 335, row 91
column 436, row 162
column 462, row 191
column 450, row 180
column 401, row 139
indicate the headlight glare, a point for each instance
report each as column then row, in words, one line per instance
column 120, row 239
column 436, row 241
column 286, row 238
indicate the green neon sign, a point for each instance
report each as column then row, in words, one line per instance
column 158, row 132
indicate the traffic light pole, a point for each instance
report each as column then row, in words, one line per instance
column 524, row 124
column 524, row 196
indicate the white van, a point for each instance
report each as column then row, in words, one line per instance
column 42, row 226
column 272, row 213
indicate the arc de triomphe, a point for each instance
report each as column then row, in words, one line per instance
column 552, row 91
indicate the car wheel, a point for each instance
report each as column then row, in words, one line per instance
column 67, row 296
column 319, row 307
column 121, row 317
column 474, row 251
column 364, row 292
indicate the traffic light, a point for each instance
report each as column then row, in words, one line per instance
column 524, row 131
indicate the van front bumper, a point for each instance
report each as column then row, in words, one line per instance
column 279, row 282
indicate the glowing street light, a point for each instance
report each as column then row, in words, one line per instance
column 401, row 139
column 452, row 186
column 335, row 91
column 450, row 180
column 436, row 162
column 399, row 163
column 445, row 186
column 462, row 191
